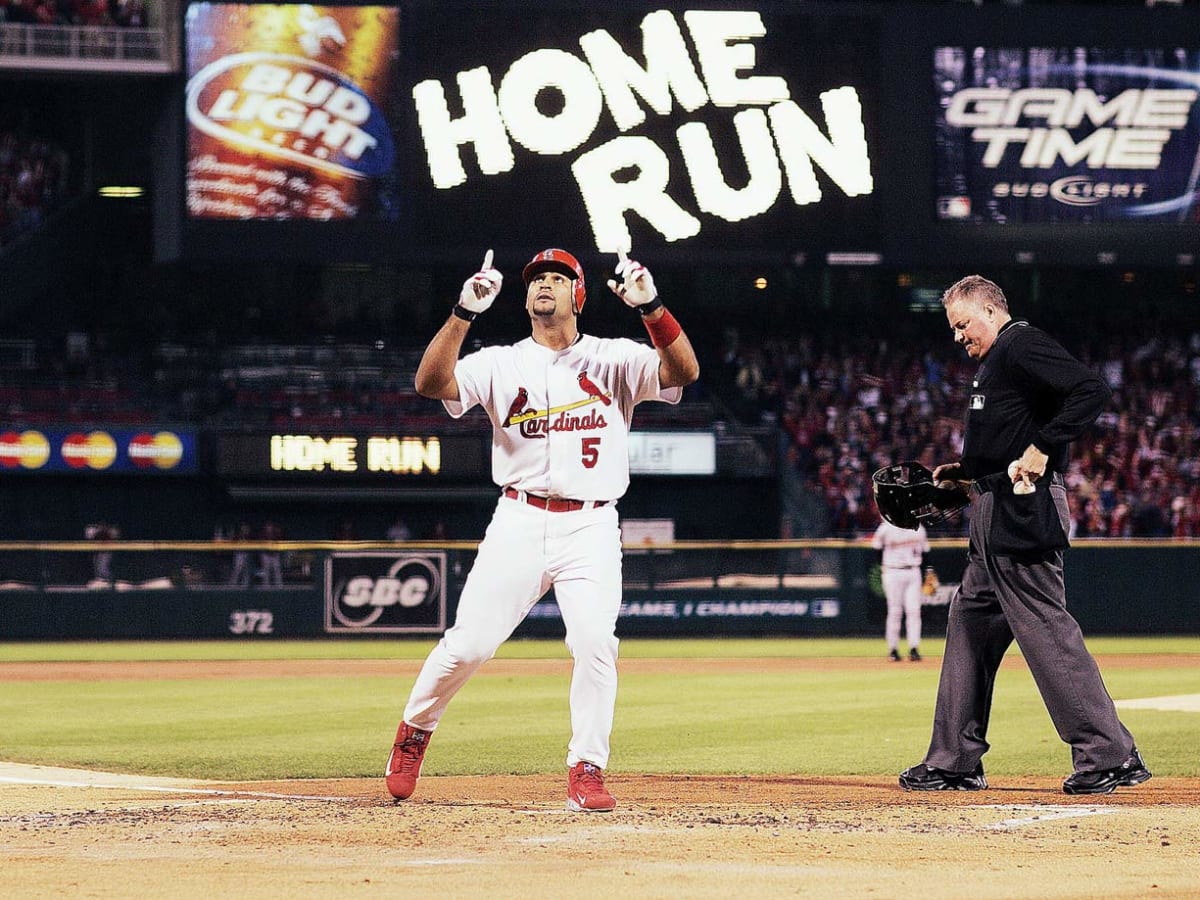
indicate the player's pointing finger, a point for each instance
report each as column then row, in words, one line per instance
column 487, row 260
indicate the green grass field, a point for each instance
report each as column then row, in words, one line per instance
column 869, row 721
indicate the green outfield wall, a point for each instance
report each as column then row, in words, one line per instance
column 52, row 591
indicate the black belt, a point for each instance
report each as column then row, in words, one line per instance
column 997, row 480
column 553, row 504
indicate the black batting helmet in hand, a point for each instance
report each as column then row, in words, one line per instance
column 907, row 496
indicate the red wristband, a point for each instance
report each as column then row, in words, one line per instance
column 663, row 330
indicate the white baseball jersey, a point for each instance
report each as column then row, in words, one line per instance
column 560, row 418
column 902, row 548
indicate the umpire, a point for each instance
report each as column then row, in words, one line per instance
column 1028, row 400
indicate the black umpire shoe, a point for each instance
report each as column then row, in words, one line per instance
column 1127, row 774
column 928, row 778
column 894, row 656
column 913, row 655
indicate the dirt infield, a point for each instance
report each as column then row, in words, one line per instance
column 299, row 668
column 96, row 835
column 671, row 836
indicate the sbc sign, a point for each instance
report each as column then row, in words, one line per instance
column 385, row 592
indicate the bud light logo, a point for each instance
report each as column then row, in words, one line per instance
column 1068, row 134
column 292, row 109
column 385, row 592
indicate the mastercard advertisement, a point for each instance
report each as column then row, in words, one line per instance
column 124, row 450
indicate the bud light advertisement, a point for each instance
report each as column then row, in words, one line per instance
column 1044, row 135
column 289, row 113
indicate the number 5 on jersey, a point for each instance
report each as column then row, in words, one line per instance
column 590, row 450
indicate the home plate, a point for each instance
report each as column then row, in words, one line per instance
column 1178, row 703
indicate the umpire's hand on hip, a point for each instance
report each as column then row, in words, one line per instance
column 1030, row 466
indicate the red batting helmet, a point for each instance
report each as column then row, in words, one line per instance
column 559, row 261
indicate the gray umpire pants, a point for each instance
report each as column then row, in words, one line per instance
column 1002, row 598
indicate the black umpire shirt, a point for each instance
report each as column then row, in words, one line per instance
column 1028, row 390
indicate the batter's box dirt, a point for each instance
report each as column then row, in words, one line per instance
column 671, row 836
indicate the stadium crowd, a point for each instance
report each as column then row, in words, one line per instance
column 841, row 410
column 33, row 178
column 849, row 409
column 93, row 13
column 830, row 400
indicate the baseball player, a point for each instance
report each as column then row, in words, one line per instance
column 902, row 553
column 560, row 404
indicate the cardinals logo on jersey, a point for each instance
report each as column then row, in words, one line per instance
column 592, row 390
column 537, row 423
column 517, row 406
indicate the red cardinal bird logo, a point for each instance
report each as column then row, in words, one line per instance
column 518, row 405
column 591, row 390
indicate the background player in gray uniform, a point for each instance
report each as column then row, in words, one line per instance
column 902, row 551
column 560, row 403
column 1028, row 400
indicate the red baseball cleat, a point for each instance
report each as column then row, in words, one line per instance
column 404, row 764
column 586, row 791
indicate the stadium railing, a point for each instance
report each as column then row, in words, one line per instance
column 82, row 590
column 82, row 48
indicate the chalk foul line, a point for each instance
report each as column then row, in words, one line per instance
column 1040, row 814
column 46, row 776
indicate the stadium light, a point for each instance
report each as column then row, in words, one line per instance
column 121, row 192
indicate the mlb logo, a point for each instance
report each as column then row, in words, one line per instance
column 977, row 401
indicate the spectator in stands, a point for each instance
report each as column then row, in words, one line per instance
column 1185, row 515
column 84, row 13
column 239, row 575
column 92, row 13
column 1148, row 518
column 128, row 13
column 102, row 575
column 399, row 530
column 32, row 182
column 270, row 561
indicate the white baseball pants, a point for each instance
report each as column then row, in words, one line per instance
column 902, row 588
column 523, row 553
